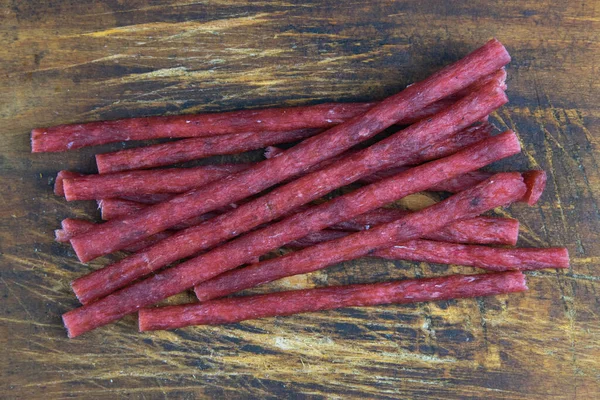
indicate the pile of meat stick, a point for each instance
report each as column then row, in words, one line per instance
column 206, row 227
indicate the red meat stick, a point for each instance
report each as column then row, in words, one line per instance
column 117, row 234
column 194, row 148
column 490, row 258
column 409, row 144
column 69, row 137
column 358, row 244
column 249, row 246
column 227, row 311
column 468, row 136
column 154, row 198
column 191, row 149
column 169, row 180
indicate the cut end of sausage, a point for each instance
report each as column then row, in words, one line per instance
column 81, row 250
column 79, row 291
column 515, row 281
column 59, row 185
column 536, row 183
column 68, row 190
column 143, row 315
column 502, row 52
column 561, row 257
column 512, row 230
column 103, row 167
column 70, row 325
column 37, row 135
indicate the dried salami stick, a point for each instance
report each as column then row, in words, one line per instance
column 491, row 258
column 226, row 311
column 312, row 239
column 68, row 137
column 117, row 208
column 117, row 234
column 415, row 140
column 464, row 181
column 149, row 241
column 360, row 244
column 195, row 148
column 169, row 180
column 249, row 246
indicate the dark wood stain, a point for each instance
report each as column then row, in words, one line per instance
column 63, row 62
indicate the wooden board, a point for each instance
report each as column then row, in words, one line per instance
column 64, row 61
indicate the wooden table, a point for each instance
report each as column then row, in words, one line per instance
column 66, row 61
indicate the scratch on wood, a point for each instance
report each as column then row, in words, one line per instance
column 185, row 28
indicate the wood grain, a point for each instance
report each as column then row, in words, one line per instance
column 65, row 61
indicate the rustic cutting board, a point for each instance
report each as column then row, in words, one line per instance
column 66, row 61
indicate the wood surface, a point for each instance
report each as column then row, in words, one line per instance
column 68, row 61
